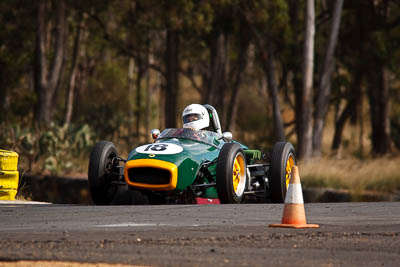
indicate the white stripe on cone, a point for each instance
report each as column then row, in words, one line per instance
column 294, row 194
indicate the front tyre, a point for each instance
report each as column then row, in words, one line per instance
column 231, row 174
column 282, row 160
column 100, row 173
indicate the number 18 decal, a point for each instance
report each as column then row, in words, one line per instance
column 160, row 148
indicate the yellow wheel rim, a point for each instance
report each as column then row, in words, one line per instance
column 289, row 166
column 239, row 175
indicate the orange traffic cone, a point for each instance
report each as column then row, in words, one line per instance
column 293, row 213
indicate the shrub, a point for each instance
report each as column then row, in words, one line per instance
column 56, row 146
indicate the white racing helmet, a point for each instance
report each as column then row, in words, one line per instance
column 195, row 116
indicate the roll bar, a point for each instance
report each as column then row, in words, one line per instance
column 214, row 117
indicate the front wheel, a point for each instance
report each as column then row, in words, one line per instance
column 231, row 174
column 282, row 160
column 100, row 173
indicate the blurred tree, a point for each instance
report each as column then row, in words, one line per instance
column 324, row 88
column 354, row 36
column 378, row 94
column 304, row 114
column 50, row 43
column 368, row 51
column 268, row 24
column 171, row 73
column 16, row 45
column 70, row 95
column 378, row 80
column 236, row 77
column 129, row 65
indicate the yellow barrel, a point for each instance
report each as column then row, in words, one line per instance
column 8, row 160
column 9, row 175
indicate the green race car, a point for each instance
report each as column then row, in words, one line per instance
column 184, row 165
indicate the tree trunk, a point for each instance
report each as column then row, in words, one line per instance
column 161, row 101
column 5, row 102
column 267, row 60
column 295, row 8
column 324, row 90
column 47, row 80
column 40, row 63
column 304, row 127
column 74, row 68
column 378, row 94
column 223, row 82
column 231, row 113
column 354, row 94
column 138, row 105
column 353, row 98
column 361, row 129
column 269, row 69
column 339, row 126
column 149, row 92
column 216, row 75
column 148, row 105
column 172, row 79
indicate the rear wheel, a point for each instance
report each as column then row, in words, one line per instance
column 100, row 173
column 231, row 174
column 282, row 160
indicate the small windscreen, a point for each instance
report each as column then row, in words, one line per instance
column 191, row 117
column 187, row 133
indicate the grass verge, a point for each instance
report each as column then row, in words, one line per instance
column 355, row 175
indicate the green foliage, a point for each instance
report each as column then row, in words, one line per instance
column 272, row 20
column 256, row 119
column 55, row 147
column 60, row 144
column 110, row 100
column 16, row 46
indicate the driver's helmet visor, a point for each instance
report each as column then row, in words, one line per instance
column 191, row 117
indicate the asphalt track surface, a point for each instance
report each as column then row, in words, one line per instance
column 351, row 234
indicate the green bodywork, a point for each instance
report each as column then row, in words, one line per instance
column 194, row 155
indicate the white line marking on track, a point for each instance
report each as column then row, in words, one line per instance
column 142, row 225
column 128, row 225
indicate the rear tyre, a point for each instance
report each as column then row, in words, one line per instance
column 231, row 174
column 99, row 173
column 283, row 158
